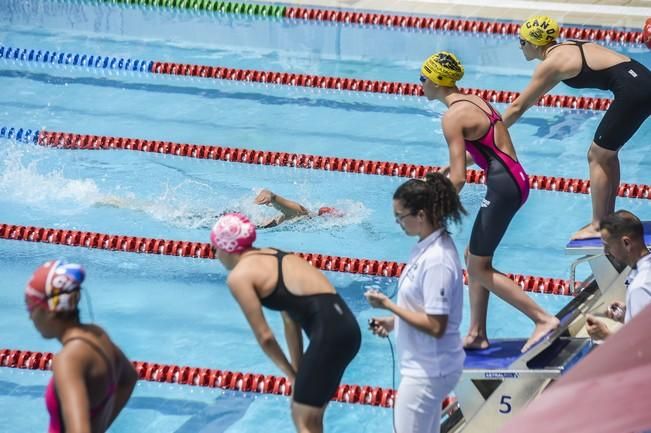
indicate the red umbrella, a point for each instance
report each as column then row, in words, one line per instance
column 609, row 391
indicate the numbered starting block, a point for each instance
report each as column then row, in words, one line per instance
column 499, row 381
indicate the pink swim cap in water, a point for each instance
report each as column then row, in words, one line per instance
column 233, row 233
column 330, row 211
column 55, row 284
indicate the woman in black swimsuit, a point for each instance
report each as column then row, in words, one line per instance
column 586, row 65
column 307, row 301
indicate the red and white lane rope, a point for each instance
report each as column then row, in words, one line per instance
column 135, row 244
column 360, row 85
column 213, row 378
column 99, row 62
column 68, row 140
column 454, row 24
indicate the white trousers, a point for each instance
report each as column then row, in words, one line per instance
column 418, row 404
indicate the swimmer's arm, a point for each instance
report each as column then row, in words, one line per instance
column 294, row 337
column 69, row 369
column 126, row 382
column 544, row 78
column 242, row 289
column 453, row 133
column 289, row 208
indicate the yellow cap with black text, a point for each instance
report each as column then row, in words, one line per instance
column 442, row 68
column 539, row 30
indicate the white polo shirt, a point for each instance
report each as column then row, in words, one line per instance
column 432, row 283
column 638, row 293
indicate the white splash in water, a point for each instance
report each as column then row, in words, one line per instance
column 21, row 181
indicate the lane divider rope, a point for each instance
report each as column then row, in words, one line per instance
column 214, row 378
column 343, row 16
column 144, row 245
column 280, row 78
column 68, row 140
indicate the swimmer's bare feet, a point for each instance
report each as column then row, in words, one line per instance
column 586, row 232
column 541, row 329
column 475, row 342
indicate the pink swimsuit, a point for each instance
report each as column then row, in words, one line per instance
column 507, row 188
column 52, row 401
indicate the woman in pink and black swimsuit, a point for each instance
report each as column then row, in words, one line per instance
column 92, row 379
column 474, row 132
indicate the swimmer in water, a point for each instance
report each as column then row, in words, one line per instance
column 289, row 209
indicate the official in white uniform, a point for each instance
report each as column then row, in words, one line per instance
column 623, row 237
column 427, row 315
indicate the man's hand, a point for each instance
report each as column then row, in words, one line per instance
column 616, row 311
column 597, row 330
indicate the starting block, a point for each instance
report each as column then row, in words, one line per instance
column 500, row 380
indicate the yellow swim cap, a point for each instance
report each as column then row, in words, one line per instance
column 442, row 68
column 539, row 30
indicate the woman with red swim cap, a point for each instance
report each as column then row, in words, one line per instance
column 290, row 209
column 307, row 301
column 92, row 380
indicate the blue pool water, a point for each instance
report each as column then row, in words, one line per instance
column 178, row 311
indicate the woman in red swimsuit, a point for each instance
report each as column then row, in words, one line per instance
column 92, row 379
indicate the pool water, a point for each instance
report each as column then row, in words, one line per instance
column 178, row 310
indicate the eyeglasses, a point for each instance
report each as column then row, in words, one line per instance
column 522, row 43
column 423, row 78
column 399, row 218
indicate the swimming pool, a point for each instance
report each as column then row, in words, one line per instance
column 177, row 310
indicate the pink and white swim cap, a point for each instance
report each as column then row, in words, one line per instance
column 233, row 233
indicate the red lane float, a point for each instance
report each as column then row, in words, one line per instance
column 134, row 244
column 359, row 85
column 451, row 24
column 213, row 378
column 67, row 140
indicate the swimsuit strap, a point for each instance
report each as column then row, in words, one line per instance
column 493, row 116
column 280, row 255
column 584, row 62
column 112, row 385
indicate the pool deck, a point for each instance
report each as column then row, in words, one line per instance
column 608, row 13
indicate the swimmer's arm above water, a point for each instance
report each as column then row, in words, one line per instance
column 241, row 286
column 453, row 133
column 545, row 77
column 289, row 208
column 294, row 337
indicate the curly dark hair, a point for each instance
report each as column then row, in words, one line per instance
column 435, row 195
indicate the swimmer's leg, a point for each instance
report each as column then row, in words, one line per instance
column 308, row 419
column 476, row 337
column 604, row 183
column 481, row 268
